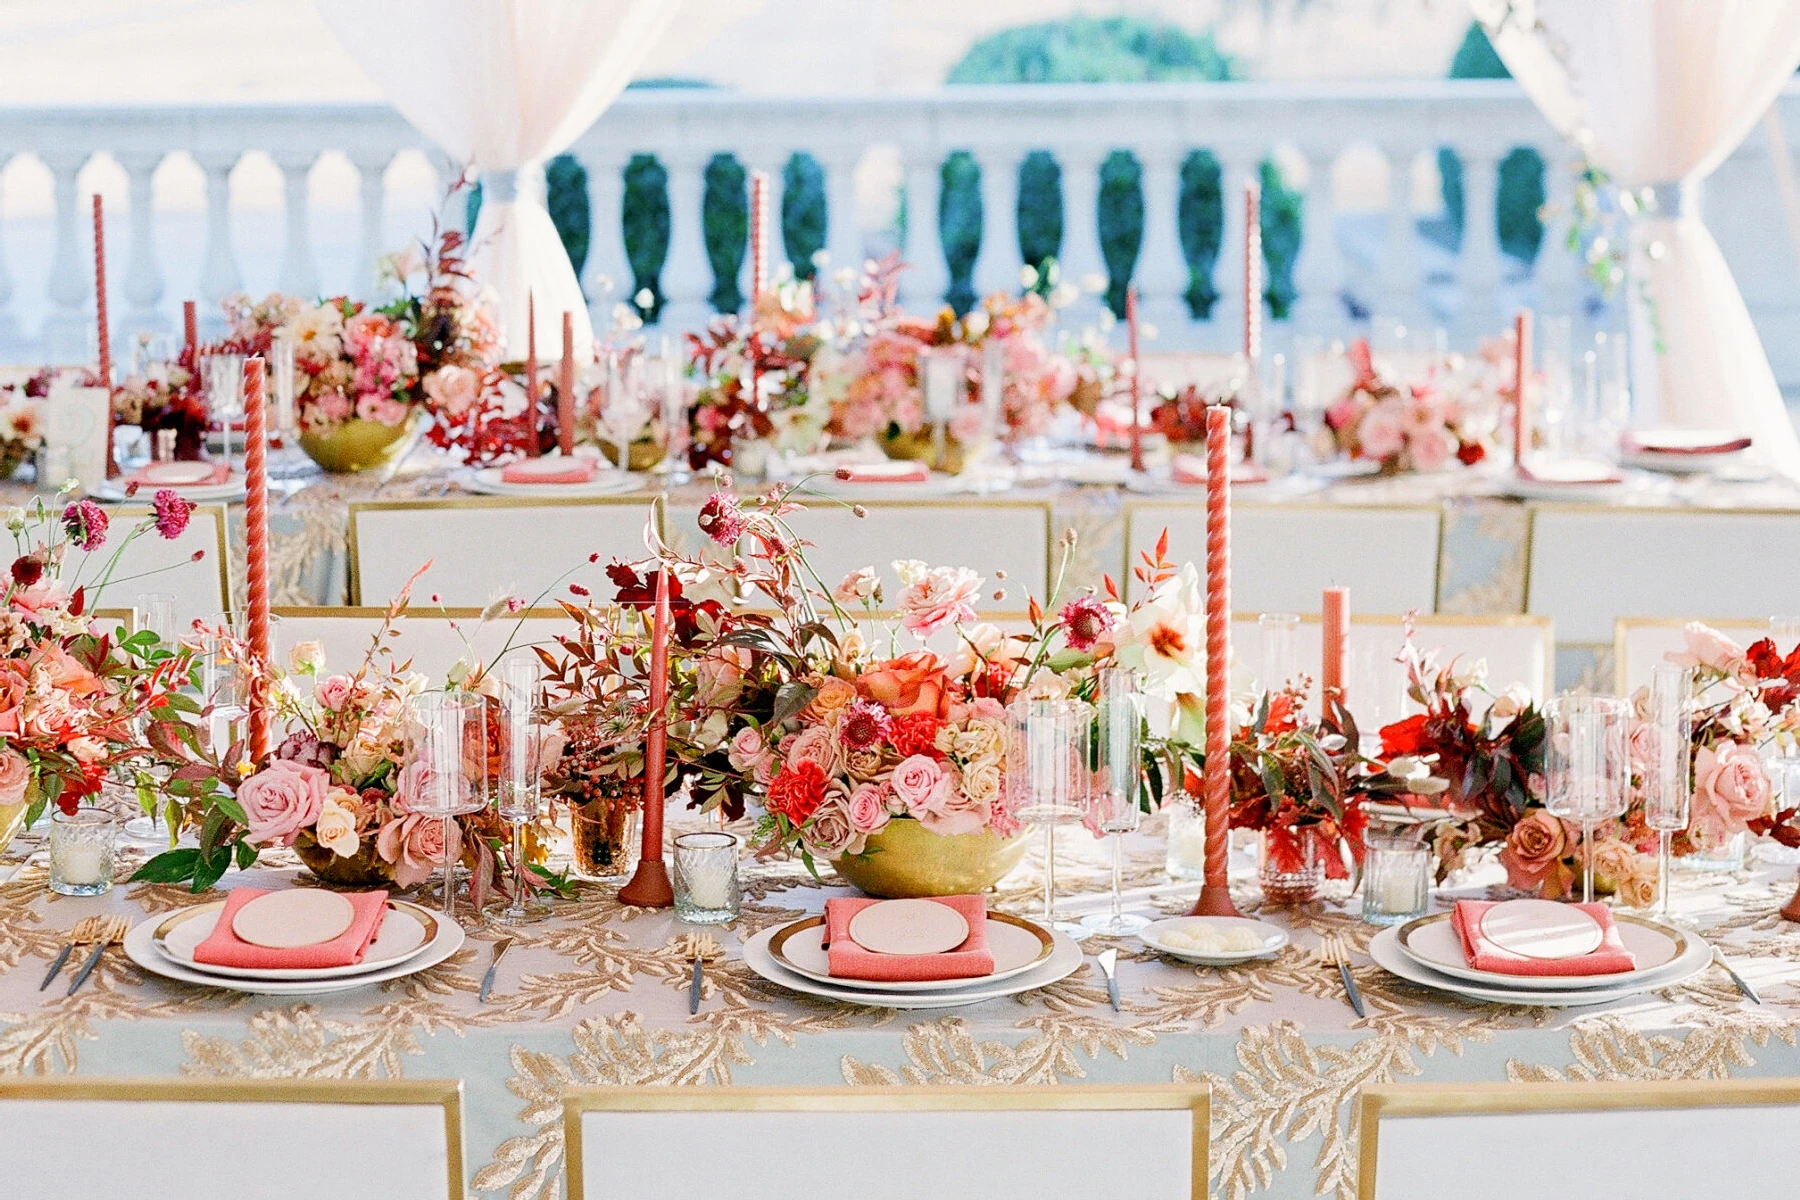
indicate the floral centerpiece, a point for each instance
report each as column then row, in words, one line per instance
column 758, row 375
column 1416, row 427
column 21, row 422
column 1746, row 699
column 165, row 396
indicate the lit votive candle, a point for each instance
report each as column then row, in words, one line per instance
column 1396, row 880
column 81, row 852
column 1186, row 854
column 706, row 877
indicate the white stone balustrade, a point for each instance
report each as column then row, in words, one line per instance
column 1240, row 123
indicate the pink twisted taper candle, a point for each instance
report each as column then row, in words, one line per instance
column 1137, row 389
column 256, row 537
column 531, row 376
column 759, row 235
column 1253, row 288
column 1215, row 782
column 104, row 328
column 1521, row 375
column 565, row 390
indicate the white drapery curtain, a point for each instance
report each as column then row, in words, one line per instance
column 1659, row 93
column 502, row 85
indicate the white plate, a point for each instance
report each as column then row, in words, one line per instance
column 607, row 481
column 1064, row 961
column 1274, row 937
column 938, row 485
column 406, row 931
column 1385, row 949
column 1433, row 943
column 1018, row 946
column 141, row 949
column 1680, row 464
column 114, row 493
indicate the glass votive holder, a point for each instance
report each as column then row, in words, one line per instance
column 1396, row 880
column 706, row 878
column 81, row 851
column 1185, row 857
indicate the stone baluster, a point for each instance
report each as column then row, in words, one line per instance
column 299, row 276
column 1481, row 314
column 1399, row 286
column 1240, row 167
column 843, row 231
column 219, row 276
column 1078, row 258
column 1317, row 274
column 1162, row 270
column 1557, row 269
column 371, row 193
column 607, row 273
column 997, row 260
column 66, row 329
column 927, row 277
column 686, row 278
column 142, row 283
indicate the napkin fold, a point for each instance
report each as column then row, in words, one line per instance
column 1685, row 441
column 1191, row 470
column 224, row 948
column 550, row 470
column 971, row 960
column 1611, row 958
column 152, row 476
column 886, row 472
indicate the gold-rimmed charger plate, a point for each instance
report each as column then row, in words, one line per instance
column 1432, row 942
column 1018, row 945
column 176, row 935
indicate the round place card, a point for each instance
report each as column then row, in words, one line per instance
column 1541, row 929
column 909, row 927
column 301, row 917
column 178, row 473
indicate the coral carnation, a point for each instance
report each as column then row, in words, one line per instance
column 916, row 733
column 798, row 791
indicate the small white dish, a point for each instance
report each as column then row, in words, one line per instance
column 1271, row 938
column 287, row 920
column 113, row 492
column 1541, row 929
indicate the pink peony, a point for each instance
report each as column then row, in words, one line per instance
column 453, row 389
column 868, row 808
column 1432, row 448
column 949, row 810
column 1730, row 790
column 415, row 845
column 943, row 596
column 282, row 799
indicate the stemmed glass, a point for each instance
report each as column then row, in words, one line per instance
column 1587, row 767
column 1052, row 744
column 1667, row 782
column 521, row 743
column 286, row 459
column 1114, row 788
column 446, row 769
column 225, row 393
column 1278, row 636
column 155, row 613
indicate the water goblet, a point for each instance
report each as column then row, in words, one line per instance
column 519, row 793
column 1667, row 765
column 1116, row 785
column 1051, row 744
column 1587, row 767
column 446, row 769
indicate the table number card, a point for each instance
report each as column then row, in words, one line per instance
column 75, row 435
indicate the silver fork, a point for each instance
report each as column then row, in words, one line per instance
column 1334, row 951
column 112, row 932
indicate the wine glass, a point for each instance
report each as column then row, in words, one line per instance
column 1051, row 744
column 286, row 459
column 225, row 393
column 1587, row 767
column 446, row 768
column 521, row 743
column 155, row 613
column 1278, row 637
column 1667, row 781
column 1116, row 783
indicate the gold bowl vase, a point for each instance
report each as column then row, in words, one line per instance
column 361, row 871
column 906, row 859
column 358, row 445
column 919, row 446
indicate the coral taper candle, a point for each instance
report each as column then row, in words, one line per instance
column 256, row 537
column 190, row 334
column 1137, row 387
column 531, row 375
column 1253, row 287
column 103, row 327
column 759, row 235
column 649, row 886
column 1334, row 632
column 1521, row 377
column 1215, row 783
column 565, row 390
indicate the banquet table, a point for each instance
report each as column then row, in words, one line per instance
column 596, row 994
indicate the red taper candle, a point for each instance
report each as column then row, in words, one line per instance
column 531, row 374
column 256, row 538
column 1334, row 633
column 1253, row 273
column 759, row 235
column 1215, row 783
column 649, row 886
column 190, row 335
column 1137, row 386
column 565, row 390
column 104, row 327
column 1521, row 376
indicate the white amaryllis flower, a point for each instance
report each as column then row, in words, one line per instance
column 1165, row 636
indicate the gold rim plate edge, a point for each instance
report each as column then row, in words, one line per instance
column 169, row 923
column 1678, row 936
column 1046, row 945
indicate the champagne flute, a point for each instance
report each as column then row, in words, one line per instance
column 1116, row 785
column 445, row 774
column 155, row 613
column 521, row 743
column 1052, row 743
column 1278, row 636
column 1586, row 765
column 1667, row 780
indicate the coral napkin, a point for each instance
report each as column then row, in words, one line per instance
column 1610, row 959
column 180, row 475
column 1191, row 469
column 224, row 948
column 970, row 960
column 550, row 470
column 1685, row 441
column 887, row 472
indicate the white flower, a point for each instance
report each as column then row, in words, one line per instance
column 306, row 658
column 335, row 828
column 1165, row 636
column 862, row 584
column 910, row 571
column 1510, row 703
column 1470, row 674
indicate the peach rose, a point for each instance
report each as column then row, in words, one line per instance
column 282, row 799
column 336, row 827
column 719, row 676
column 1639, row 888
column 949, row 809
column 15, row 777
column 815, row 744
column 453, row 389
column 415, row 846
column 1730, row 790
column 13, row 688
column 1614, row 862
column 912, row 683
column 1533, row 849
column 68, row 674
column 1705, row 646
column 831, row 832
column 834, row 696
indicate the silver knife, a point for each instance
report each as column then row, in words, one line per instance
column 1350, row 988
column 1742, row 986
column 694, row 987
column 56, row 967
column 487, row 981
column 1109, row 964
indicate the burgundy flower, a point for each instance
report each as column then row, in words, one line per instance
column 865, row 725
column 304, row 747
column 172, row 513
column 1085, row 621
column 86, row 524
column 721, row 519
column 27, row 569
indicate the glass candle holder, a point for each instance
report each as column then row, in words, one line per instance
column 1396, row 880
column 1186, row 854
column 81, row 851
column 706, row 878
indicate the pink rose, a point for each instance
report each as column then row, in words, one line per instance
column 719, row 676
column 1431, row 448
column 748, row 752
column 868, row 808
column 944, row 596
column 13, row 688
column 453, row 389
column 1381, row 433
column 918, row 783
column 332, row 691
column 282, row 799
column 814, row 744
column 1730, row 790
column 15, row 777
column 950, row 810
column 1707, row 647
column 415, row 846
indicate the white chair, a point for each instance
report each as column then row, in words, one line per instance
column 1589, row 565
column 202, row 589
column 893, row 1143
column 481, row 547
column 1284, row 556
column 433, row 639
column 223, row 1139
column 1639, row 643
column 1670, row 1140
